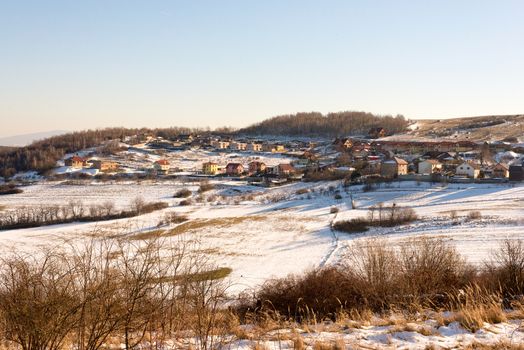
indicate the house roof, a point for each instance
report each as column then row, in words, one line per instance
column 400, row 161
column 432, row 161
column 473, row 165
column 77, row 159
column 286, row 167
column 234, row 165
column 162, row 162
column 501, row 165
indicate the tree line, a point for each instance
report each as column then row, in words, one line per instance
column 331, row 125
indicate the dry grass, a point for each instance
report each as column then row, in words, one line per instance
column 503, row 345
column 199, row 224
column 475, row 306
column 148, row 235
column 325, row 345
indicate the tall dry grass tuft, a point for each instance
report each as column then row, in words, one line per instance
column 475, row 305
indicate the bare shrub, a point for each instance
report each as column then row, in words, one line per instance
column 172, row 218
column 183, row 193
column 185, row 202
column 301, row 191
column 38, row 305
column 334, row 210
column 137, row 205
column 430, row 268
column 205, row 186
column 505, row 270
column 474, row 215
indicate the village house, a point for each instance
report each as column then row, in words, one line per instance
column 161, row 166
column 103, row 165
column 343, row 143
column 394, row 167
column 210, row 168
column 429, row 166
column 500, row 171
column 238, row 146
column 220, row 144
column 254, row 147
column 257, row 167
column 281, row 170
column 75, row 162
column 470, row 170
column 376, row 133
column 234, row 169
column 273, row 148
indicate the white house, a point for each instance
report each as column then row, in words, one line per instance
column 470, row 170
column 429, row 166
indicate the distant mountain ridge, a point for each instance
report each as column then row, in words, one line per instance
column 26, row 139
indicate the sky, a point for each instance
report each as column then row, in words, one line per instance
column 72, row 65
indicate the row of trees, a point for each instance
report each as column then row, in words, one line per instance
column 331, row 125
column 74, row 210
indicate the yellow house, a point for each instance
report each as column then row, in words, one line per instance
column 210, row 168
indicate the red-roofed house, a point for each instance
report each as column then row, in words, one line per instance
column 161, row 165
column 234, row 169
column 75, row 162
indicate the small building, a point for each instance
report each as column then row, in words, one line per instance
column 343, row 143
column 516, row 172
column 501, row 171
column 210, row 168
column 429, row 166
column 75, row 162
column 161, row 166
column 103, row 165
column 220, row 144
column 257, row 167
column 234, row 169
column 394, row 167
column 238, row 146
column 470, row 170
column 285, row 169
column 273, row 148
column 254, row 147
column 376, row 133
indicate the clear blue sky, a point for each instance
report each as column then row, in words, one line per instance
column 79, row 64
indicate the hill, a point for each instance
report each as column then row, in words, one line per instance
column 484, row 128
column 330, row 125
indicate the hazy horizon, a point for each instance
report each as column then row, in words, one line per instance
column 74, row 66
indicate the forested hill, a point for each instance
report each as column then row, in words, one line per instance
column 42, row 155
column 331, row 125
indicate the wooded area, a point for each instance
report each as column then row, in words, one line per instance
column 331, row 125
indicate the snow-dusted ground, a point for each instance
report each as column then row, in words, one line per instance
column 138, row 159
column 261, row 233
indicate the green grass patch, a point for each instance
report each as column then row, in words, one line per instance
column 211, row 275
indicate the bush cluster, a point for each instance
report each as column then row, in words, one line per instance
column 378, row 216
column 424, row 273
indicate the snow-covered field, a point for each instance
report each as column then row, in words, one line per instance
column 260, row 233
